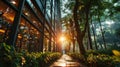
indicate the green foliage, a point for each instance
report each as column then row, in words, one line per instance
column 108, row 51
column 106, row 58
column 100, row 58
column 103, row 60
column 117, row 32
column 40, row 59
column 94, row 52
column 77, row 57
column 9, row 57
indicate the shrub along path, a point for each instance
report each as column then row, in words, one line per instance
column 66, row 61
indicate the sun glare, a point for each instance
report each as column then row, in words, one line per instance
column 62, row 38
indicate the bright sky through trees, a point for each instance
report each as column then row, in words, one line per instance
column 62, row 39
column 64, row 13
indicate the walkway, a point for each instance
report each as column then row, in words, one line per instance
column 66, row 61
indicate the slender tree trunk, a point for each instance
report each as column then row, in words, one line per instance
column 89, row 37
column 69, row 47
column 73, row 34
column 73, row 45
column 93, row 30
column 87, row 45
column 102, row 32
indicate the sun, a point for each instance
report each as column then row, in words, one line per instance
column 62, row 38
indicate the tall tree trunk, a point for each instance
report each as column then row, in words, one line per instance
column 72, row 34
column 81, row 34
column 94, row 37
column 93, row 30
column 102, row 32
column 89, row 37
column 77, row 28
column 73, row 45
column 69, row 45
column 81, row 47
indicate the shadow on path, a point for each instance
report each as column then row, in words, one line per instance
column 66, row 61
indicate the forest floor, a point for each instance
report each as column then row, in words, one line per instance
column 66, row 61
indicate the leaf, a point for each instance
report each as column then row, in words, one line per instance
column 116, row 52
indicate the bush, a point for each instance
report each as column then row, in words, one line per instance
column 109, row 50
column 104, row 59
column 9, row 57
column 78, row 57
column 95, row 58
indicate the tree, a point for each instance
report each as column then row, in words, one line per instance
column 83, row 7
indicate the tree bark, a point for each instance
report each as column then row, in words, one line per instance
column 73, row 45
column 77, row 28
